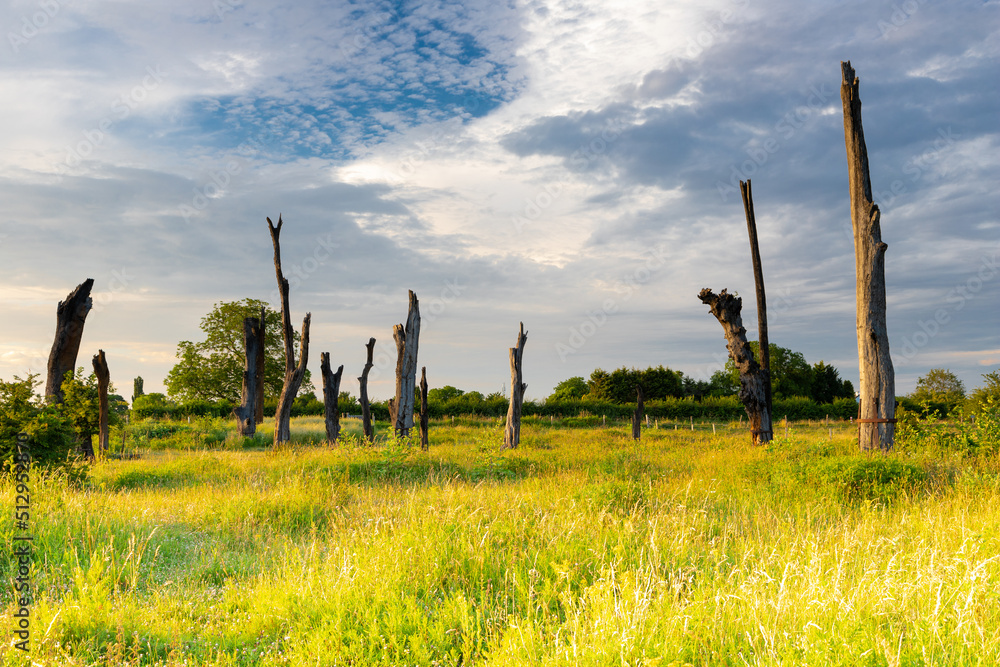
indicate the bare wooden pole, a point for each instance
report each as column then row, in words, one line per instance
column 877, row 420
column 637, row 415
column 366, row 408
column 767, row 429
column 71, row 315
column 512, row 431
column 103, row 380
column 726, row 309
column 424, row 439
column 331, row 396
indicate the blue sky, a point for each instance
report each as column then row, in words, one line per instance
column 569, row 165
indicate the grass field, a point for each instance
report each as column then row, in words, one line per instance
column 580, row 548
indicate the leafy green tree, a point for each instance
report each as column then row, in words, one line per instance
column 81, row 406
column 791, row 375
column 572, row 389
column 982, row 397
column 212, row 370
column 442, row 394
column 597, row 385
column 940, row 386
column 619, row 386
column 52, row 439
column 827, row 385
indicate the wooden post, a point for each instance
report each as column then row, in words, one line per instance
column 294, row 373
column 424, row 439
column 71, row 315
column 637, row 415
column 331, row 394
column 246, row 412
column 726, row 309
column 103, row 379
column 407, row 340
column 766, row 428
column 877, row 420
column 512, row 432
column 366, row 409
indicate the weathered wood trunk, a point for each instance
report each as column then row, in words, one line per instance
column 331, row 396
column 876, row 424
column 726, row 309
column 246, row 412
column 366, row 408
column 637, row 415
column 259, row 367
column 766, row 427
column 103, row 380
column 424, row 438
column 407, row 340
column 512, row 431
column 136, row 388
column 71, row 315
column 294, row 373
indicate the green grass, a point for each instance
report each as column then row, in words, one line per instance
column 582, row 547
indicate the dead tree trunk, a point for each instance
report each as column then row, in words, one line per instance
column 366, row 408
column 331, row 395
column 246, row 412
column 726, row 309
column 407, row 341
column 294, row 373
column 876, row 425
column 766, row 427
column 424, row 440
column 71, row 315
column 637, row 415
column 512, row 432
column 103, row 380
column 259, row 366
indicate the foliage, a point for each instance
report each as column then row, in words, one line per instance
column 442, row 394
column 52, row 438
column 619, row 386
column 212, row 369
column 571, row 389
column 791, row 375
column 980, row 398
column 940, row 391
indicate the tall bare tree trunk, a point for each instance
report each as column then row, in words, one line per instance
column 366, row 408
column 766, row 427
column 726, row 308
column 407, row 340
column 103, row 380
column 512, row 431
column 424, row 439
column 637, row 415
column 294, row 373
column 259, row 367
column 331, row 396
column 876, row 424
column 71, row 315
column 246, row 412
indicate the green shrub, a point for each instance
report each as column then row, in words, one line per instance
column 878, row 478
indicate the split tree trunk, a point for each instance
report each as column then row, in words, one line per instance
column 424, row 439
column 876, row 424
column 407, row 341
column 253, row 343
column 71, row 315
column 294, row 373
column 637, row 415
column 331, row 396
column 512, row 431
column 726, row 309
column 103, row 380
column 259, row 377
column 766, row 427
column 366, row 408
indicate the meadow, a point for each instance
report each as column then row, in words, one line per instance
column 582, row 547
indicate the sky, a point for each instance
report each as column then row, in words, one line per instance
column 572, row 165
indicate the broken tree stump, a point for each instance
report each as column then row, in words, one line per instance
column 103, row 380
column 250, row 400
column 71, row 315
column 331, row 395
column 512, row 430
column 637, row 415
column 407, row 340
column 424, row 440
column 366, row 408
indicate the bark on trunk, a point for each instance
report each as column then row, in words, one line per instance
column 103, row 380
column 407, row 340
column 294, row 373
column 259, row 378
column 366, row 408
column 876, row 425
column 512, row 431
column 331, row 395
column 424, row 439
column 766, row 427
column 246, row 412
column 71, row 315
column 726, row 308
column 637, row 415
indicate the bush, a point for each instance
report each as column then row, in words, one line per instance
column 877, row 478
column 52, row 437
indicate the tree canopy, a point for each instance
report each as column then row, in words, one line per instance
column 940, row 385
column 619, row 385
column 212, row 369
column 791, row 375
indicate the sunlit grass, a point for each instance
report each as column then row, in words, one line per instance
column 582, row 547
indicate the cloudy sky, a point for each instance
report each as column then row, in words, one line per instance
column 570, row 164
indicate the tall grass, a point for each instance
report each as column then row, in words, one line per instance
column 582, row 547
